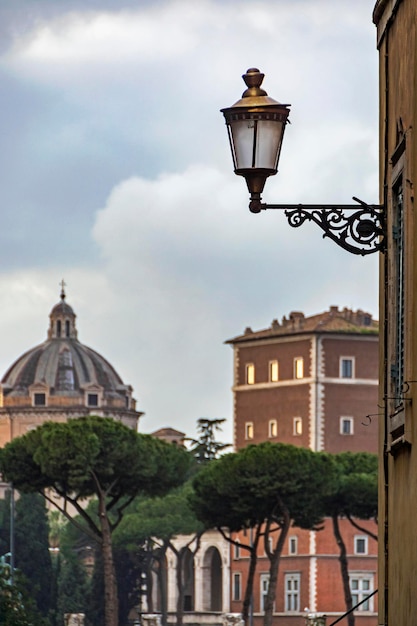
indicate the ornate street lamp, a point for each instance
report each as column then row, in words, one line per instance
column 256, row 125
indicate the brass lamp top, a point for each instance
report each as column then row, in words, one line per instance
column 254, row 97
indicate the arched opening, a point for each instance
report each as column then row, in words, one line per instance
column 58, row 328
column 159, row 581
column 67, row 328
column 187, row 578
column 212, row 580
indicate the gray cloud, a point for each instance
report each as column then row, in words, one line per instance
column 115, row 173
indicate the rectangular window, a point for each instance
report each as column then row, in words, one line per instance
column 92, row 399
column 397, row 369
column 39, row 399
column 297, row 426
column 273, row 371
column 293, row 545
column 361, row 586
column 292, row 593
column 299, row 368
column 237, row 587
column 236, row 547
column 250, row 374
column 346, row 367
column 272, row 428
column 346, row 425
column 264, row 581
column 249, row 430
column 361, row 544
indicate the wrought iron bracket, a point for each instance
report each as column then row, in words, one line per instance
column 362, row 232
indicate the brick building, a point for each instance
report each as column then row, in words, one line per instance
column 313, row 382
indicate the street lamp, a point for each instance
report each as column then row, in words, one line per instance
column 256, row 125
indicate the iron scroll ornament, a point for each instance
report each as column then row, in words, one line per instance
column 361, row 232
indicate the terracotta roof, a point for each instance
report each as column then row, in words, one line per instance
column 331, row 321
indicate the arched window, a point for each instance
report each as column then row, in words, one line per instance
column 187, row 575
column 58, row 328
column 67, row 328
column 212, row 580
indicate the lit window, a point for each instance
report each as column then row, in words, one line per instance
column 346, row 367
column 293, row 545
column 361, row 544
column 292, row 593
column 299, row 367
column 361, row 587
column 250, row 374
column 249, row 430
column 297, row 426
column 237, row 587
column 273, row 371
column 264, row 584
column 346, row 425
column 92, row 399
column 39, row 399
column 272, row 428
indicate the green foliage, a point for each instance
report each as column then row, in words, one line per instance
column 94, row 456
column 16, row 606
column 32, row 556
column 89, row 455
column 206, row 448
column 159, row 518
column 246, row 488
column 354, row 486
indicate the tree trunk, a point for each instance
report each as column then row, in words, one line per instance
column 180, row 587
column 162, row 583
column 274, row 559
column 111, row 617
column 343, row 568
column 247, row 605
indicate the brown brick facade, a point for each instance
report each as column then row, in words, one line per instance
column 332, row 406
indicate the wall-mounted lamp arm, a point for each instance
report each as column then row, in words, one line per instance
column 360, row 232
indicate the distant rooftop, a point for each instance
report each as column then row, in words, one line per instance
column 334, row 320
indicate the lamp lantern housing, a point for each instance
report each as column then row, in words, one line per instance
column 256, row 125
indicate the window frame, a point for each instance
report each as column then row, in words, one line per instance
column 250, row 373
column 90, row 395
column 298, row 367
column 345, row 419
column 293, row 545
column 292, row 597
column 263, row 578
column 237, row 587
column 272, row 429
column 356, row 540
column 39, row 395
column 249, row 431
column 273, row 371
column 297, row 432
column 347, row 359
column 359, row 594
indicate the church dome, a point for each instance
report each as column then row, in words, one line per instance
column 63, row 378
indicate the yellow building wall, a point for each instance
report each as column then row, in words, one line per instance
column 396, row 33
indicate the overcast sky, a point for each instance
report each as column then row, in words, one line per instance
column 115, row 174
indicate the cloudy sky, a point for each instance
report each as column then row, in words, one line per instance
column 115, row 174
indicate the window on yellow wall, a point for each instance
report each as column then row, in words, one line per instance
column 273, row 371
column 250, row 374
column 299, row 367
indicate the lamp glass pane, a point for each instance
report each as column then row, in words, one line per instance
column 243, row 132
column 269, row 137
